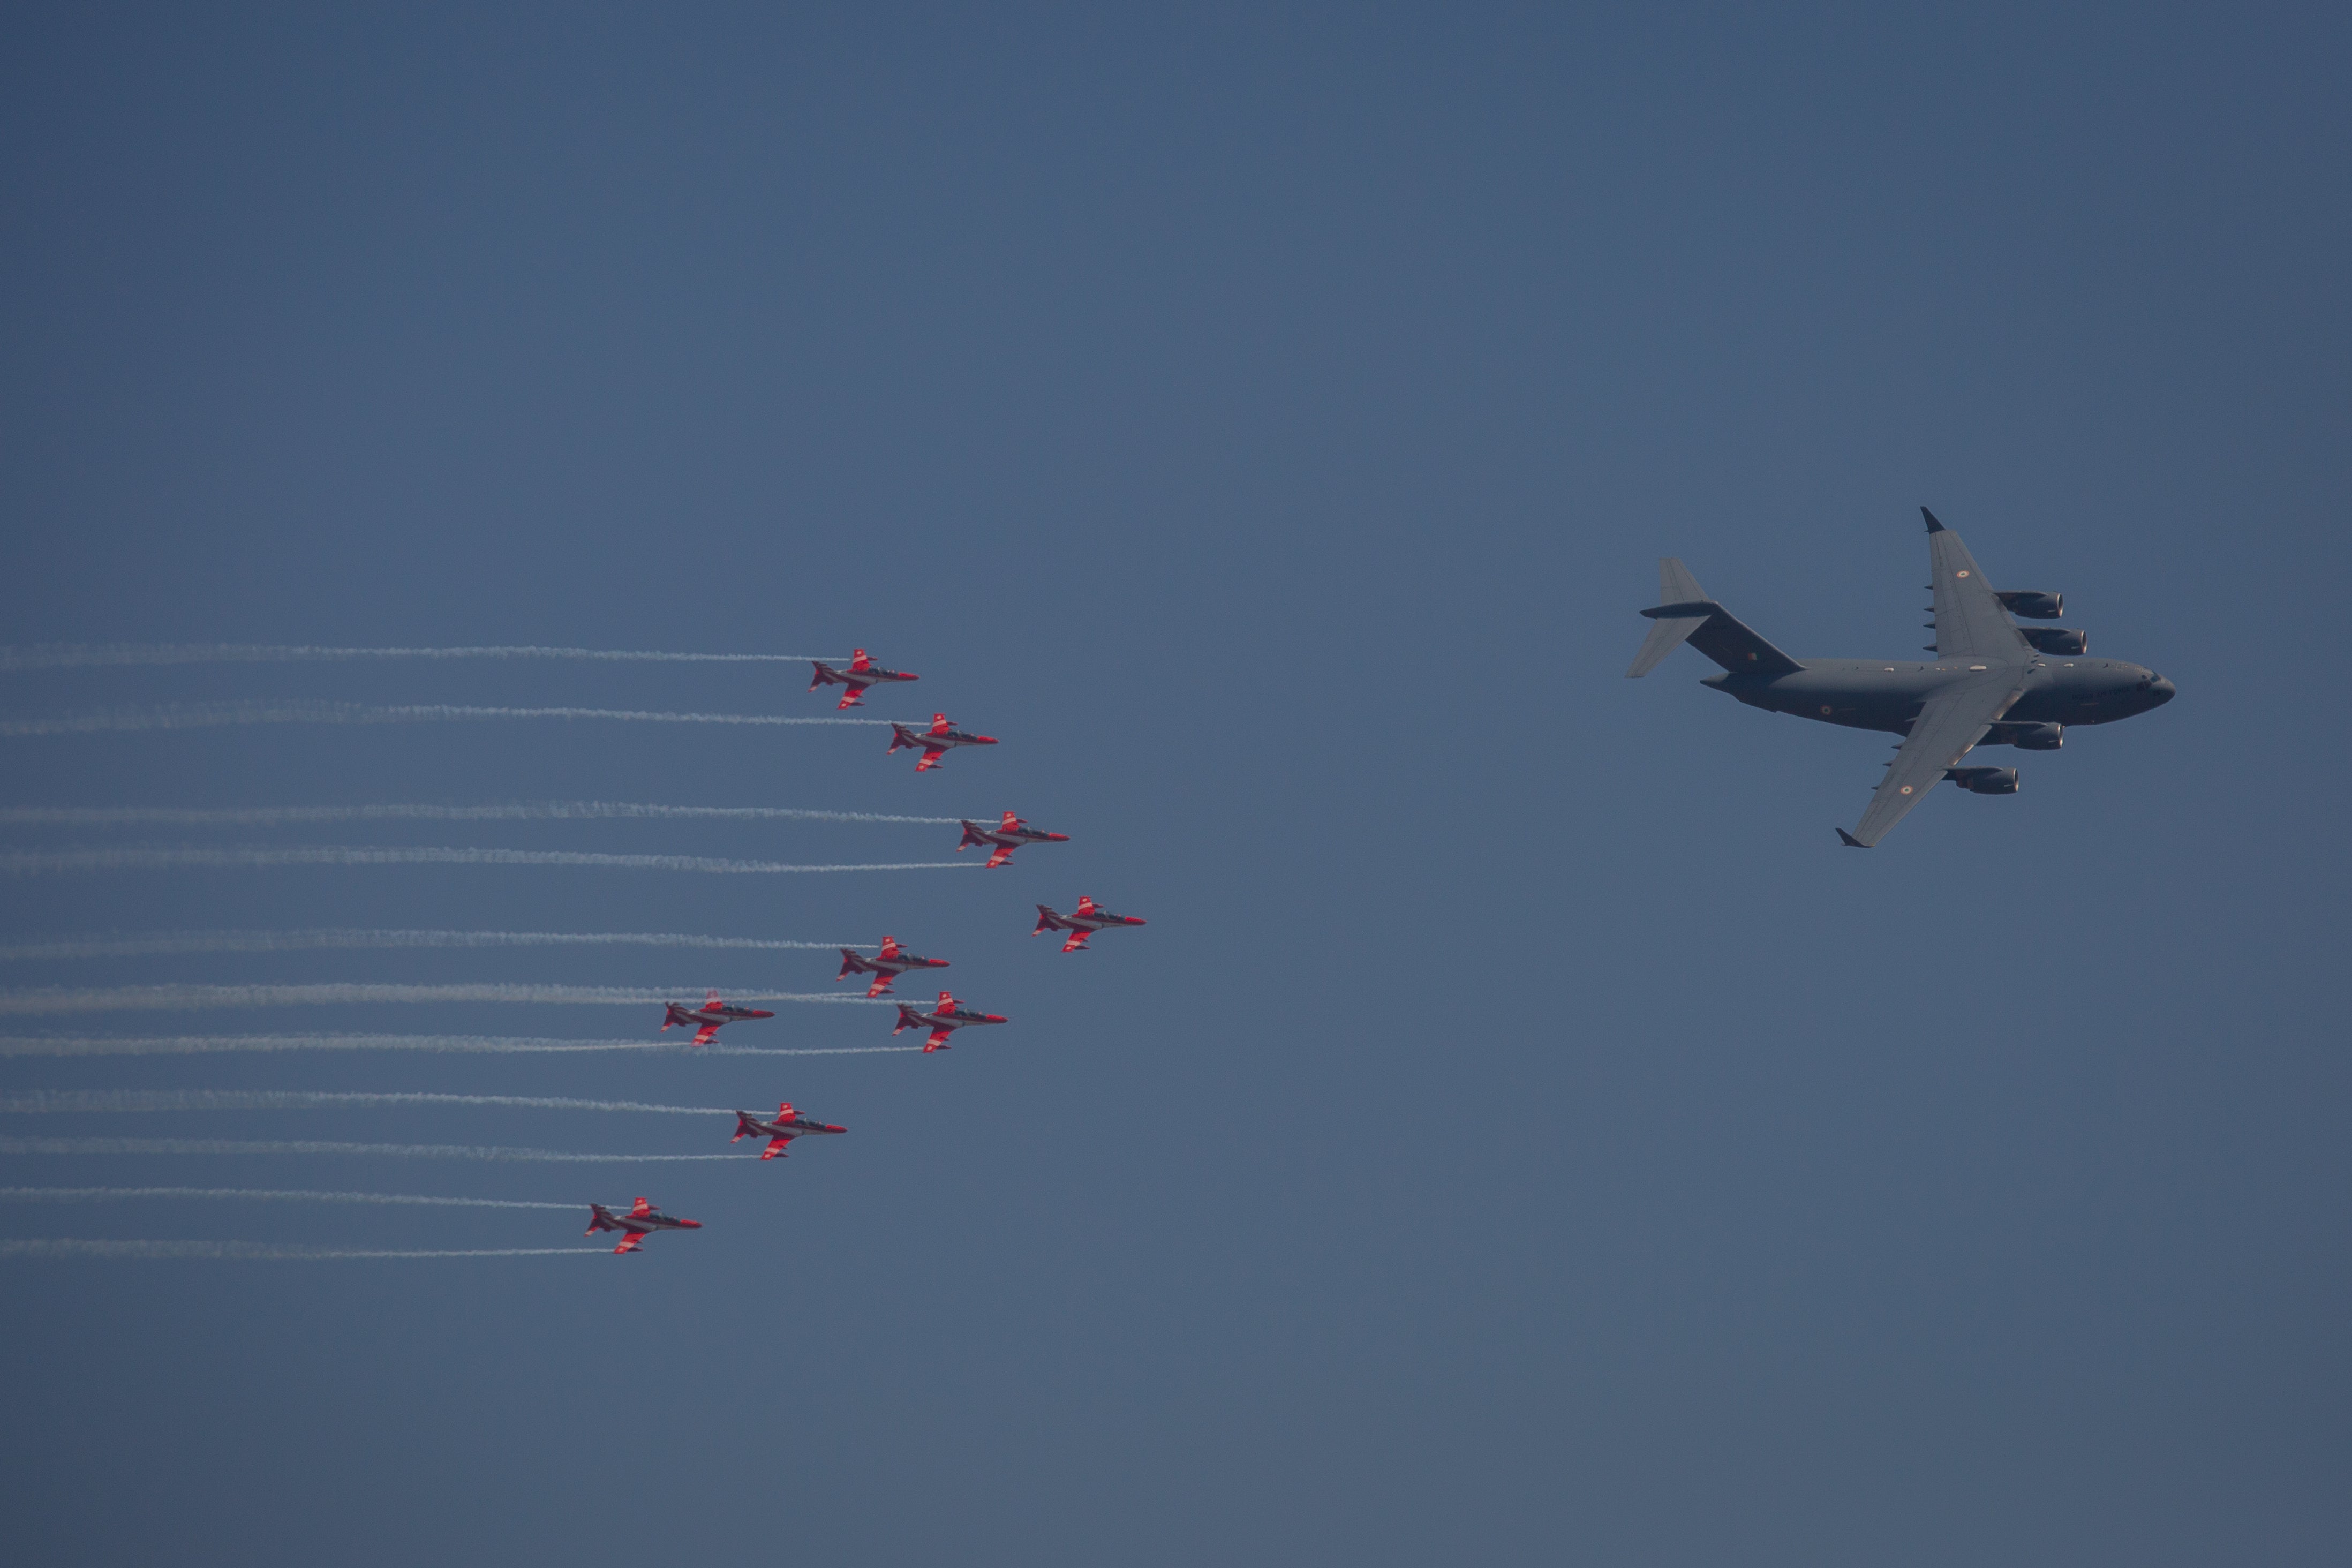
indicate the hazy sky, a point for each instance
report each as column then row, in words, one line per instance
column 1522, row 1134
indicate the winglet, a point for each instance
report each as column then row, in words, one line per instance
column 1933, row 526
column 1848, row 839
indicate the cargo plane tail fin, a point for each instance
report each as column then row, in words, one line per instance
column 1686, row 615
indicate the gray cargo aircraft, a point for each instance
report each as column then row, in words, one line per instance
column 1992, row 683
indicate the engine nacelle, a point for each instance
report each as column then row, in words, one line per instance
column 2056, row 639
column 2038, row 737
column 2033, row 605
column 1984, row 781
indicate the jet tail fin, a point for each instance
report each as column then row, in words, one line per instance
column 1687, row 614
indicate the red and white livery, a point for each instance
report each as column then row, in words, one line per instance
column 942, row 1021
column 788, row 1125
column 886, row 965
column 862, row 673
column 1081, row 922
column 704, row 1020
column 1009, row 836
column 936, row 742
column 642, row 1220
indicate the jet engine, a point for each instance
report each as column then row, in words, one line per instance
column 2029, row 737
column 1984, row 781
column 2033, row 605
column 2056, row 639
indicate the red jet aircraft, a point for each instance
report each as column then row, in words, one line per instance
column 1081, row 923
column 862, row 673
column 886, row 965
column 640, row 1222
column 936, row 742
column 706, row 1019
column 942, row 1021
column 787, row 1126
column 1010, row 836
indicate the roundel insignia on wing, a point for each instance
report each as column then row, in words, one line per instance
column 1963, row 573
column 1906, row 789
column 1825, row 709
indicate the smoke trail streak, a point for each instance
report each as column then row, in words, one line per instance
column 108, row 1194
column 404, row 1150
column 147, row 858
column 251, row 1250
column 526, row 811
column 59, row 999
column 83, row 656
column 311, row 941
column 495, row 1044
column 212, row 715
column 39, row 1102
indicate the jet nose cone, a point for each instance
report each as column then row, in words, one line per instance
column 2162, row 690
column 690, row 1224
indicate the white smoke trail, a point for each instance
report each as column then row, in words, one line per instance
column 312, row 1146
column 83, row 656
column 51, row 1101
column 109, row 1195
column 212, row 715
column 59, row 999
column 495, row 1044
column 311, row 941
column 526, row 811
column 146, row 857
column 248, row 1250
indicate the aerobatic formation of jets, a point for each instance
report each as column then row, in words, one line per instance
column 884, row 964
column 1991, row 682
column 880, row 966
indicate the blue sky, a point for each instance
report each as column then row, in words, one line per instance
column 1521, row 1132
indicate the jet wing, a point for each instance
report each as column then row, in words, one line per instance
column 1970, row 620
column 1954, row 719
column 706, row 1034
